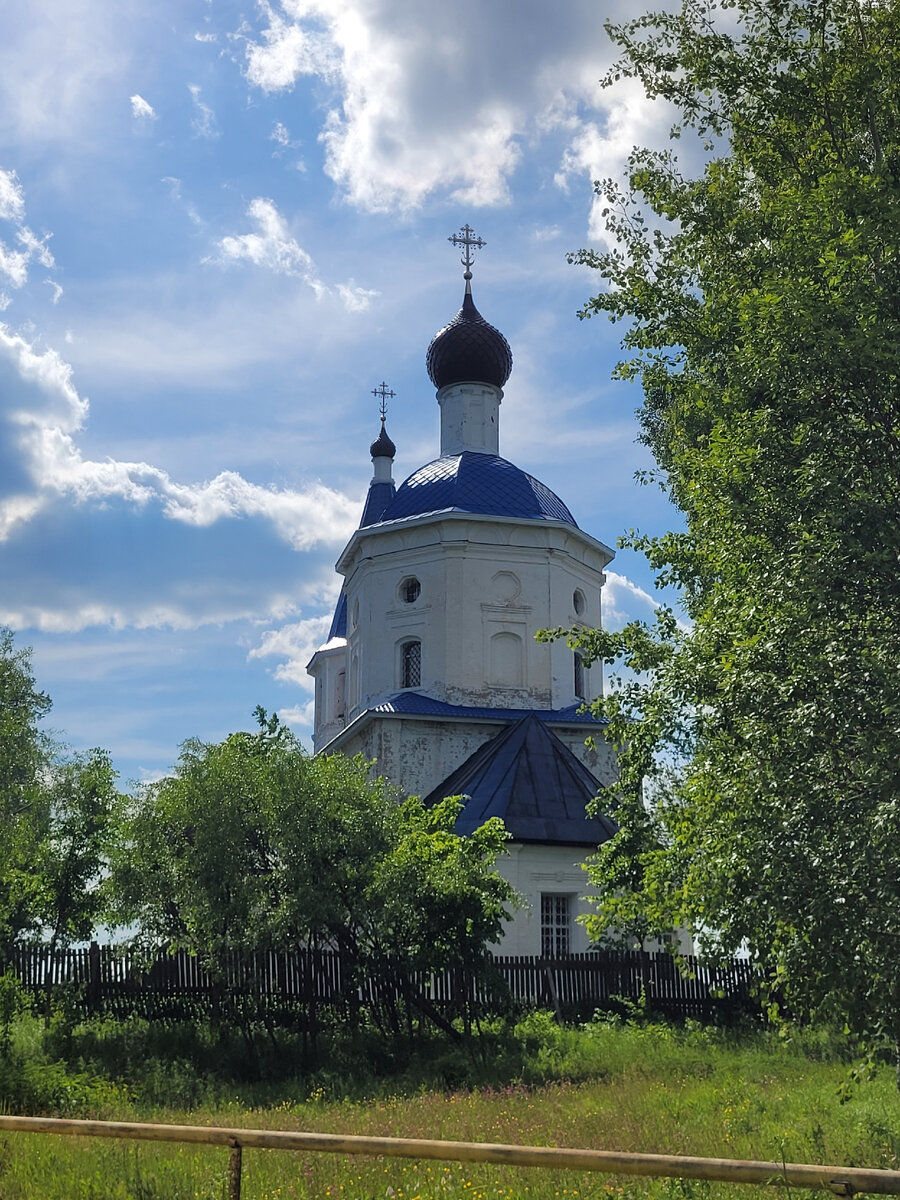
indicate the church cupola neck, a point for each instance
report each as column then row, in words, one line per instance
column 469, row 361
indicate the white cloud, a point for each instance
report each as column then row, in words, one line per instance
column 44, row 411
column 12, row 197
column 273, row 247
column 14, row 263
column 623, row 601
column 204, row 122
column 355, row 299
column 280, row 134
column 57, row 290
column 295, row 644
column 600, row 149
column 432, row 98
column 141, row 109
column 205, row 37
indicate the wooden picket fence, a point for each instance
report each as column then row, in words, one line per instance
column 117, row 980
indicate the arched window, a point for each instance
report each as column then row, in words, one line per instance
column 579, row 677
column 411, row 665
column 506, row 660
column 340, row 694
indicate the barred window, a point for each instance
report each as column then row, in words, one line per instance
column 411, row 664
column 554, row 925
column 410, row 589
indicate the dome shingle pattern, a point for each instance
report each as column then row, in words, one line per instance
column 468, row 350
column 476, row 483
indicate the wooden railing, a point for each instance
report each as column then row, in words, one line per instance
column 842, row 1181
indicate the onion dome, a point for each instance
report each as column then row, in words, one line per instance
column 383, row 447
column 473, row 482
column 468, row 350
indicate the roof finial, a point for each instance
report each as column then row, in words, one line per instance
column 383, row 391
column 466, row 237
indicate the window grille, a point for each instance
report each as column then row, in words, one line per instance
column 411, row 665
column 554, row 925
column 409, row 590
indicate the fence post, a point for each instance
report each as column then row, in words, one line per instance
column 234, row 1170
column 93, row 988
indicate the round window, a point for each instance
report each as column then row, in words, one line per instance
column 578, row 601
column 410, row 589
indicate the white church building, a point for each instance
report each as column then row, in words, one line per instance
column 431, row 667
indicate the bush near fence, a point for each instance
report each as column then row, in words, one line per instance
column 292, row 985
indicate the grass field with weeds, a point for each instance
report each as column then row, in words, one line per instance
column 634, row 1087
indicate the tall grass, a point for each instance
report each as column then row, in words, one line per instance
column 648, row 1088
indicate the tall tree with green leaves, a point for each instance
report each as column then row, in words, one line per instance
column 58, row 814
column 759, row 799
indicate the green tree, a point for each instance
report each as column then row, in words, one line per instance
column 58, row 814
column 251, row 844
column 758, row 798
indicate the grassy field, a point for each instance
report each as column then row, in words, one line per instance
column 645, row 1088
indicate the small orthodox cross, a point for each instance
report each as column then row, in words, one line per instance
column 466, row 237
column 383, row 391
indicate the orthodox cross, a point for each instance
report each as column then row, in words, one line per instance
column 383, row 391
column 466, row 237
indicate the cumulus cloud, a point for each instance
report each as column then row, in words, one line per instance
column 273, row 247
column 295, row 644
column 141, row 109
column 620, row 600
column 432, row 98
column 599, row 149
column 42, row 411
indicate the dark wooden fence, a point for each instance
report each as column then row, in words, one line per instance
column 119, row 981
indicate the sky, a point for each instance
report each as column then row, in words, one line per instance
column 222, row 225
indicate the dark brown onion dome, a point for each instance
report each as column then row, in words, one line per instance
column 468, row 350
column 383, row 447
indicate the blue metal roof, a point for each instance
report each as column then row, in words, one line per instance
column 415, row 704
column 339, row 620
column 378, row 497
column 476, row 483
column 533, row 782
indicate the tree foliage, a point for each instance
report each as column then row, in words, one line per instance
column 58, row 815
column 252, row 844
column 763, row 316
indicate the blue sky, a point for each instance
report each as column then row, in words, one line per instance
column 221, row 226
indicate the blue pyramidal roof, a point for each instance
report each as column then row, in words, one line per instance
column 474, row 482
column 533, row 781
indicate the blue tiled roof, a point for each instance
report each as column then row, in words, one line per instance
column 378, row 497
column 424, row 706
column 533, row 782
column 475, row 483
column 339, row 621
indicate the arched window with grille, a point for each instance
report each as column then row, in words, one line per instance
column 411, row 664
